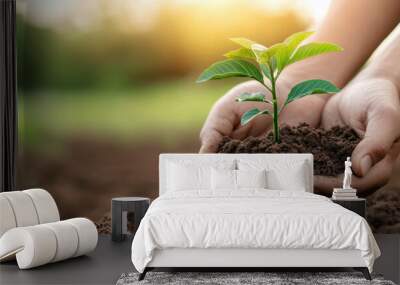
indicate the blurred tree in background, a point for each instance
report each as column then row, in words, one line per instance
column 125, row 44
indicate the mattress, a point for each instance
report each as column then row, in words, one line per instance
column 251, row 219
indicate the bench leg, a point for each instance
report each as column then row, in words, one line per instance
column 364, row 271
column 143, row 274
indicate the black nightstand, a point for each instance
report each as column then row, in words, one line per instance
column 357, row 205
column 127, row 212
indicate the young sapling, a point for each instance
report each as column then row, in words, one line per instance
column 270, row 62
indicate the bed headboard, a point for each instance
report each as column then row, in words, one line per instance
column 166, row 157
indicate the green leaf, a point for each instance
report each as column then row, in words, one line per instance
column 256, row 96
column 279, row 55
column 259, row 51
column 265, row 70
column 230, row 68
column 246, row 43
column 241, row 53
column 251, row 114
column 294, row 40
column 313, row 49
column 308, row 87
column 286, row 49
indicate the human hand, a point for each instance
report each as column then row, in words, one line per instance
column 224, row 117
column 371, row 108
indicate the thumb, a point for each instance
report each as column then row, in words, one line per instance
column 210, row 140
column 381, row 132
column 207, row 148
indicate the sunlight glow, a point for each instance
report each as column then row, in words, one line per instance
column 56, row 13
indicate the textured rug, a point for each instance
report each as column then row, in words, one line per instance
column 243, row 278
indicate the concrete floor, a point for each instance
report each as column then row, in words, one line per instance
column 110, row 260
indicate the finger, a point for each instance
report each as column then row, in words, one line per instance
column 210, row 140
column 331, row 116
column 377, row 177
column 207, row 149
column 219, row 123
column 257, row 127
column 382, row 130
column 241, row 132
column 324, row 184
column 305, row 109
column 379, row 174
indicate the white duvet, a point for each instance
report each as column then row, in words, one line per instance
column 250, row 219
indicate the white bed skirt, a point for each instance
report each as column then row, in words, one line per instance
column 193, row 257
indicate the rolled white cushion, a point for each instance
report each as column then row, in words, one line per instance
column 23, row 208
column 33, row 246
column 7, row 218
column 40, row 244
column 87, row 235
column 45, row 205
column 67, row 240
column 26, row 208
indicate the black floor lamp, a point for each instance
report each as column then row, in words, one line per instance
column 8, row 99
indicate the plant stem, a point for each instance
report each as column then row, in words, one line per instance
column 277, row 138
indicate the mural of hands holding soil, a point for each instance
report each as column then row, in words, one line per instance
column 104, row 89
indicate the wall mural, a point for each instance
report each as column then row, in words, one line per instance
column 106, row 87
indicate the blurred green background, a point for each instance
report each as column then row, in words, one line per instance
column 105, row 86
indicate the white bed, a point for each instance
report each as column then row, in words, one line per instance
column 249, row 227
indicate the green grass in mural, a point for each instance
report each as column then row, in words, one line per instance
column 156, row 110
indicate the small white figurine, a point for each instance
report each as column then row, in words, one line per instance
column 347, row 174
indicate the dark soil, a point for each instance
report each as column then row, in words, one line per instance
column 383, row 210
column 330, row 147
column 104, row 224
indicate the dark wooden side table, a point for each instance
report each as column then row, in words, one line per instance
column 357, row 205
column 126, row 214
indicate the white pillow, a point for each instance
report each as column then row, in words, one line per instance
column 223, row 179
column 281, row 175
column 193, row 175
column 280, row 181
column 227, row 179
column 251, row 178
